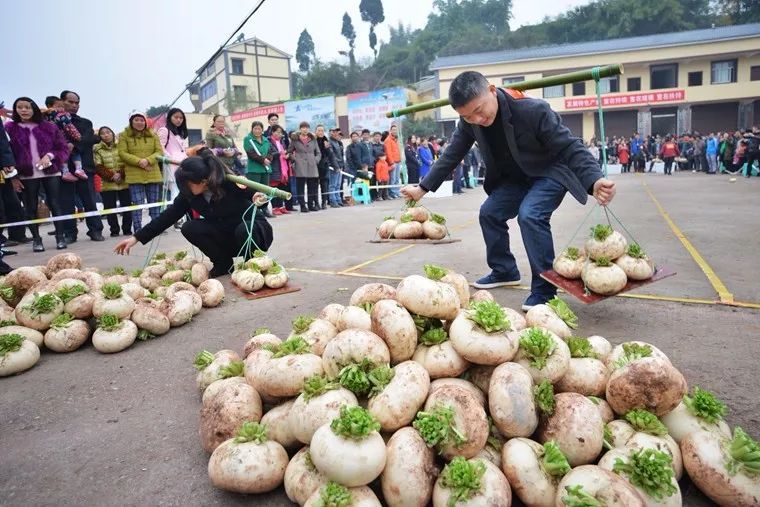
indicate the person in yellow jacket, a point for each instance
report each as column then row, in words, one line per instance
column 139, row 148
column 115, row 191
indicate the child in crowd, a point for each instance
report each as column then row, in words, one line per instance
column 115, row 190
column 382, row 175
column 57, row 114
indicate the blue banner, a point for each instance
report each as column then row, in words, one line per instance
column 320, row 110
column 367, row 110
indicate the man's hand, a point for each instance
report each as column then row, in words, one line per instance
column 123, row 247
column 259, row 199
column 8, row 169
column 413, row 192
column 604, row 191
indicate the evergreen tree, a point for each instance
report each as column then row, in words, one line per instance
column 305, row 55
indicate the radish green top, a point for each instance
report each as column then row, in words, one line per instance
column 601, row 232
column 434, row 336
column 166, row 283
column 554, row 461
column 334, row 495
column 259, row 253
column 62, row 321
column 634, row 250
column 317, row 385
column 159, row 256
column 291, row 346
column 111, row 290
column 576, row 496
column 8, row 322
column 144, row 335
column 603, row 262
column 490, row 316
column 379, row 378
column 543, row 395
column 10, row 343
column 109, row 322
column 252, row 432
column 42, row 304
column 439, row 219
column 136, row 273
column 261, row 330
column 705, row 405
column 187, row 276
column 649, row 470
column 437, row 427
column 203, row 359
column 308, row 462
column 646, row 421
column 463, row 478
column 744, row 454
column 425, row 323
column 435, row 272
column 406, row 218
column 116, row 270
column 580, row 347
column 367, row 307
column 537, row 345
column 276, row 269
column 7, row 292
column 632, row 352
column 365, row 377
column 301, row 323
column 68, row 293
column 608, row 438
column 355, row 423
column 234, row 369
column 411, row 203
column 180, row 255
column 572, row 253
column 563, row 311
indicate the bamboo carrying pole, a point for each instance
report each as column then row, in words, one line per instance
column 559, row 79
column 240, row 180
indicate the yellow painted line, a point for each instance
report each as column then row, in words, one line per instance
column 725, row 296
column 378, row 258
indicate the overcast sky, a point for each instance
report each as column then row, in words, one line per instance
column 128, row 55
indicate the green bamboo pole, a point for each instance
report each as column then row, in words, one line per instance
column 531, row 84
column 240, row 180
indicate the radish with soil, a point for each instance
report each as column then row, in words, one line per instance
column 543, row 354
column 428, row 298
column 17, row 353
column 437, row 355
column 474, row 482
column 66, row 334
column 482, row 334
column 511, row 401
column 534, row 470
column 570, row 263
column 112, row 300
column 280, row 370
column 318, row 404
column 636, row 263
column 393, row 323
column 113, row 334
column 555, row 316
column 397, row 395
column 224, row 411
column 410, row 470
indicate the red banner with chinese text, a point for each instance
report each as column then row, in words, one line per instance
column 627, row 99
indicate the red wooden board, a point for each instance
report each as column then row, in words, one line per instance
column 267, row 292
column 576, row 288
column 417, row 241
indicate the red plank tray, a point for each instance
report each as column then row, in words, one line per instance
column 576, row 288
column 267, row 292
column 417, row 241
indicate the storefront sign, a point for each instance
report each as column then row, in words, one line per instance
column 628, row 99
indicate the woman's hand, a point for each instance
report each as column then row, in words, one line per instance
column 143, row 163
column 45, row 162
column 116, row 177
column 124, row 246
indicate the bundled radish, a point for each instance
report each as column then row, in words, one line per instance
column 482, row 334
column 17, row 353
column 212, row 293
column 349, row 450
column 210, row 366
column 459, row 282
column 248, row 463
column 428, row 298
column 590, row 485
column 393, row 323
column 641, row 379
column 280, row 370
column 555, row 315
column 37, row 310
column 437, row 355
column 66, row 334
column 248, row 279
column 727, row 469
column 371, row 293
column 316, row 332
column 302, row 478
column 416, row 212
column 435, row 228
column 318, row 404
column 397, row 395
column 410, row 470
column 511, row 401
column 385, row 231
column 471, row 482
column 224, row 410
column 605, row 243
column 636, row 263
column 334, row 494
column 585, row 374
column 408, row 228
column 111, row 300
column 604, row 277
column 700, row 411
column 570, row 263
column 576, row 426
column 649, row 471
column 113, row 334
column 260, row 259
column 276, row 277
column 543, row 354
column 533, row 470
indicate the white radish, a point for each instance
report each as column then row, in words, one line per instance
column 212, row 293
column 452, row 488
column 316, row 332
column 354, row 317
column 36, row 310
column 605, row 243
column 543, row 354
column 467, row 422
column 353, row 346
column 331, row 313
column 66, row 334
column 569, row 263
column 399, row 400
column 28, row 333
column 576, row 426
column 225, row 410
column 410, row 470
column 393, row 323
column 302, row 478
column 482, row 334
column 319, row 404
column 587, row 484
column 112, row 300
column 17, row 354
column 210, row 366
column 372, row 293
column 511, row 402
column 700, row 411
column 604, row 277
column 533, row 470
column 277, row 421
column 428, row 298
column 555, row 315
column 113, row 334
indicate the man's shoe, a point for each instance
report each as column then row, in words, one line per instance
column 37, row 245
column 69, row 239
column 52, row 233
column 313, row 207
column 60, row 243
column 304, row 209
column 6, row 253
column 115, row 233
column 324, row 205
column 23, row 240
column 96, row 236
column 10, row 242
column 533, row 300
column 492, row 281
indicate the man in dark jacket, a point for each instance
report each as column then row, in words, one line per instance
column 85, row 189
column 10, row 206
column 526, row 177
column 7, row 163
column 753, row 148
column 335, row 174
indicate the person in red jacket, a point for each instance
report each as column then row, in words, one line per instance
column 624, row 155
column 382, row 175
column 393, row 156
column 668, row 152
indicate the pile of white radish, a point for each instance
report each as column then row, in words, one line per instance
column 61, row 305
column 415, row 396
column 415, row 222
column 606, row 263
column 258, row 272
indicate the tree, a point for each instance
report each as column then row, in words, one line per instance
column 154, row 111
column 305, row 55
column 349, row 33
column 738, row 11
column 372, row 13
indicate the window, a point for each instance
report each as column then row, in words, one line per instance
column 237, row 66
column 754, row 73
column 695, row 78
column 579, row 89
column 240, row 94
column 552, row 92
column 609, row 85
column 634, row 84
column 664, row 76
column 723, row 72
column 513, row 79
column 208, row 90
column 211, row 69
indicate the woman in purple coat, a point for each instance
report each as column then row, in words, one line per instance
column 40, row 151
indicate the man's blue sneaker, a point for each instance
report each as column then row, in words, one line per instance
column 533, row 300
column 491, row 281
